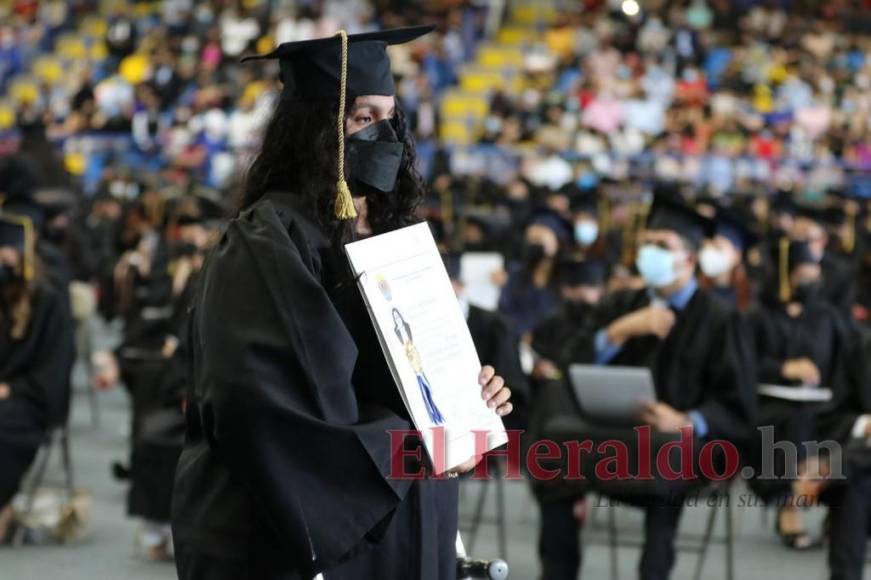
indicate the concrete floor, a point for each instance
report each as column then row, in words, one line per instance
column 108, row 553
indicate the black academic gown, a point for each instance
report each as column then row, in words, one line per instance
column 849, row 498
column 35, row 368
column 698, row 366
column 498, row 348
column 286, row 463
column 819, row 334
column 839, row 282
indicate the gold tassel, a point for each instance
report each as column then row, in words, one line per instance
column 344, row 206
column 850, row 238
column 785, row 293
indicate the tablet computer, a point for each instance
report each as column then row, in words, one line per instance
column 612, row 394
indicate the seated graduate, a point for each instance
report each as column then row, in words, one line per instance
column 847, row 420
column 556, row 339
column 529, row 294
column 160, row 436
column 496, row 346
column 721, row 259
column 286, row 468
column 688, row 340
column 799, row 340
column 838, row 275
column 36, row 343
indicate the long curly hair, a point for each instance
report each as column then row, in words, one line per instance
column 298, row 156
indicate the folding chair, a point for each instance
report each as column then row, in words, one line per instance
column 688, row 543
column 57, row 437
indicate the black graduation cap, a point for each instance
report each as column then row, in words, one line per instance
column 730, row 225
column 800, row 253
column 312, row 69
column 671, row 213
column 552, row 220
column 784, row 203
column 17, row 231
column 334, row 67
column 55, row 201
column 582, row 272
column 792, row 253
column 26, row 208
column 586, row 202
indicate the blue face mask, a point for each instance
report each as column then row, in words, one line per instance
column 656, row 266
column 586, row 232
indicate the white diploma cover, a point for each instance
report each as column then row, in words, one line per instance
column 426, row 341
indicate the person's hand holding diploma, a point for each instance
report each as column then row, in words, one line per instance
column 497, row 395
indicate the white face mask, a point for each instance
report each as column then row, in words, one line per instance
column 657, row 265
column 714, row 261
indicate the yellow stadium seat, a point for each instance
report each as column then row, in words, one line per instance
column 48, row 69
column 457, row 134
column 75, row 163
column 514, row 35
column 24, row 90
column 7, row 116
column 98, row 51
column 71, row 47
column 457, row 104
column 134, row 68
column 94, row 26
column 533, row 13
column 500, row 56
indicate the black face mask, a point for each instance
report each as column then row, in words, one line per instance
column 577, row 311
column 8, row 275
column 374, row 156
column 183, row 249
column 55, row 234
column 807, row 292
column 533, row 253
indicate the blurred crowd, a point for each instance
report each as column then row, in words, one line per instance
column 126, row 129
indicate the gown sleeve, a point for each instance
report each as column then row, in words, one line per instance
column 272, row 371
column 45, row 379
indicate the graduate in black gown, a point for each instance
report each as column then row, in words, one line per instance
column 35, row 346
column 722, row 258
column 800, row 339
column 495, row 344
column 838, row 272
column 286, row 467
column 847, row 420
column 160, row 434
column 689, row 342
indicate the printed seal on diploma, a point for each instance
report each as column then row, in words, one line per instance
column 426, row 342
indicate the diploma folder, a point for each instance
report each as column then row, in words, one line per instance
column 426, row 341
column 613, row 395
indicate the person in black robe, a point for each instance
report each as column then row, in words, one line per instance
column 160, row 434
column 495, row 344
column 847, row 420
column 689, row 342
column 799, row 339
column 35, row 344
column 838, row 274
column 722, row 259
column 556, row 340
column 286, row 470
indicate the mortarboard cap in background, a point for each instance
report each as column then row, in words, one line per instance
column 729, row 224
column 582, row 272
column 671, row 213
